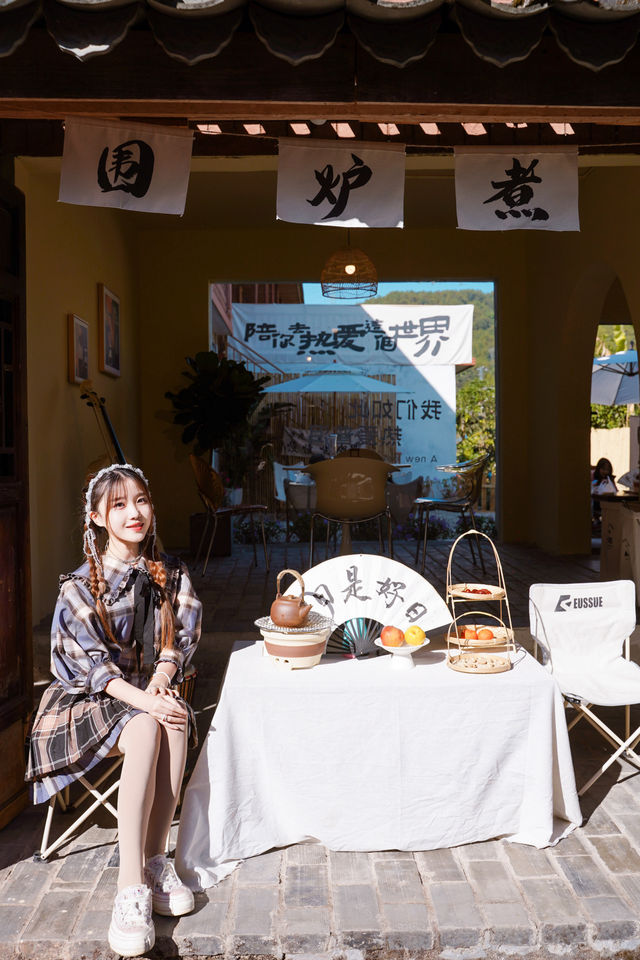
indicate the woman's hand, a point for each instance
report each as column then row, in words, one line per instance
column 156, row 687
column 168, row 711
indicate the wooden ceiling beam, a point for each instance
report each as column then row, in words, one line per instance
column 245, row 82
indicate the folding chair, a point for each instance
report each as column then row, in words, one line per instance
column 581, row 629
column 92, row 789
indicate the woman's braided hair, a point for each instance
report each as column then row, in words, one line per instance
column 107, row 483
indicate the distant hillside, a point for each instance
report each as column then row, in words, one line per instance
column 483, row 323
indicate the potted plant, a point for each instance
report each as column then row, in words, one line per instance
column 216, row 409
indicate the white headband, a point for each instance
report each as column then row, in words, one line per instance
column 89, row 534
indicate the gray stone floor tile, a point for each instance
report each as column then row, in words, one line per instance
column 492, row 882
column 255, row 909
column 528, row 861
column 551, row 901
column 305, row 929
column 306, row 885
column 356, row 908
column 306, row 853
column 13, row 919
column 409, row 927
column 587, row 879
column 27, row 882
column 205, row 929
column 392, row 855
column 262, row 869
column 572, row 845
column 600, row 823
column 629, row 823
column 55, row 916
column 459, row 921
column 489, row 850
column 509, row 925
column 350, row 867
column 398, row 881
column 439, row 865
column 82, row 868
column 90, row 932
column 612, row 918
column 618, row 854
column 630, row 886
column 107, row 886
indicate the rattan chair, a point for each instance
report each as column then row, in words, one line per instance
column 367, row 452
column 350, row 490
column 465, row 488
column 211, row 492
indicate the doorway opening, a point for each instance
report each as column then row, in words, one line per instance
column 448, row 415
column 615, row 398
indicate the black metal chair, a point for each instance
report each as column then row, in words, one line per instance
column 211, row 492
column 465, row 487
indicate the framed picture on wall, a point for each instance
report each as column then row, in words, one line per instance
column 78, row 349
column 109, row 317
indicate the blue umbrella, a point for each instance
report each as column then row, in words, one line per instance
column 614, row 379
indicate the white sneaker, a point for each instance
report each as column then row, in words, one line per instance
column 131, row 932
column 170, row 896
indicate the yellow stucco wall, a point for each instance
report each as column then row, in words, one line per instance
column 551, row 291
column 70, row 250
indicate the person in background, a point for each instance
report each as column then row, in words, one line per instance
column 602, row 481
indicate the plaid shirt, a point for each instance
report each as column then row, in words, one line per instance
column 83, row 658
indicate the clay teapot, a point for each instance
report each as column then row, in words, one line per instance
column 289, row 611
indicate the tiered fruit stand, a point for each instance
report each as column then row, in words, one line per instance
column 488, row 653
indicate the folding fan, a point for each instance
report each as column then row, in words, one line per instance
column 355, row 637
column 360, row 591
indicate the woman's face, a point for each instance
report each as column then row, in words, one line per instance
column 126, row 513
column 604, row 469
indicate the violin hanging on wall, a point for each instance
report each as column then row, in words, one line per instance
column 105, row 426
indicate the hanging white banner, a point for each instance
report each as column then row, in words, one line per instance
column 506, row 188
column 341, row 184
column 290, row 333
column 131, row 166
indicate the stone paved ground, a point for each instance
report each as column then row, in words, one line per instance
column 580, row 898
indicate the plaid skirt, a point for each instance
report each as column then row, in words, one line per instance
column 71, row 733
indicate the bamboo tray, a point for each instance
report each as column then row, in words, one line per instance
column 478, row 663
column 501, row 636
column 463, row 591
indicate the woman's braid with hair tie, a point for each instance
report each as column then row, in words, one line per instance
column 98, row 586
column 158, row 574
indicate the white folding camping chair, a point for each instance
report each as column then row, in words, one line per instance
column 94, row 788
column 582, row 629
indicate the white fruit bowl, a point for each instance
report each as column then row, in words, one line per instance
column 401, row 656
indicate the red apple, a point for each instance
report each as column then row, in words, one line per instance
column 392, row 636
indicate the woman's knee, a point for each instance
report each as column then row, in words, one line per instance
column 141, row 729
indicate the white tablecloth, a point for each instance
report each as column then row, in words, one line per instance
column 360, row 756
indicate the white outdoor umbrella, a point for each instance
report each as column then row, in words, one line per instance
column 614, row 379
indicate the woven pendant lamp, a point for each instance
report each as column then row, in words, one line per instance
column 349, row 274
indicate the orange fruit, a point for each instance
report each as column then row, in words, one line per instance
column 486, row 634
column 470, row 633
column 414, row 635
